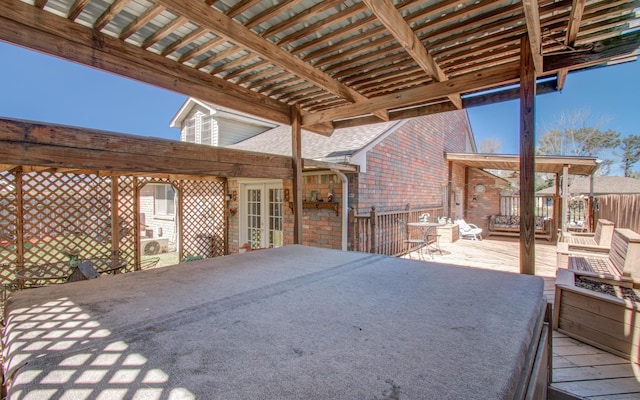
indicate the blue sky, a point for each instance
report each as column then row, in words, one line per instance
column 43, row 88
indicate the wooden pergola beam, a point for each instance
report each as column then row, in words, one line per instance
column 222, row 25
column 52, row 146
column 490, row 77
column 28, row 26
column 577, row 10
column 386, row 13
column 532, row 18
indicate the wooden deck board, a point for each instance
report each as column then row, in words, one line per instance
column 579, row 370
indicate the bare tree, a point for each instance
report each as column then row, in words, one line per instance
column 490, row 145
column 574, row 136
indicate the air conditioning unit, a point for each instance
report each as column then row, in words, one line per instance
column 153, row 246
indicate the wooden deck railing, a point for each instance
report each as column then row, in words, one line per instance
column 380, row 233
column 510, row 205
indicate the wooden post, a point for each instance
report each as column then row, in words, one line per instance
column 19, row 219
column 137, row 254
column 565, row 198
column 354, row 231
column 296, row 159
column 527, row 158
column 179, row 215
column 450, row 194
column 115, row 213
column 591, row 210
column 372, row 223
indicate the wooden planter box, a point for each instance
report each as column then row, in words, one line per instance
column 598, row 319
column 449, row 233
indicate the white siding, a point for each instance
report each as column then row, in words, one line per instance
column 203, row 128
column 233, row 131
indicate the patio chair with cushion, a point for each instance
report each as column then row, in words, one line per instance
column 469, row 231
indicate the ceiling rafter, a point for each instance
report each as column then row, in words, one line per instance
column 300, row 18
column 532, row 17
column 109, row 14
column 224, row 26
column 76, row 9
column 141, row 21
column 393, row 21
column 164, row 32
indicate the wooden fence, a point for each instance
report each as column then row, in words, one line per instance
column 621, row 209
column 381, row 233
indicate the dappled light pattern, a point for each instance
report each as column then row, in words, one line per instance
column 82, row 359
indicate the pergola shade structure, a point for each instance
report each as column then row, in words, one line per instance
column 337, row 60
column 321, row 65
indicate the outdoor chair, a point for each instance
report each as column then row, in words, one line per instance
column 469, row 231
column 410, row 244
column 148, row 263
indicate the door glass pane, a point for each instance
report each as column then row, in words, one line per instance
column 275, row 218
column 254, row 218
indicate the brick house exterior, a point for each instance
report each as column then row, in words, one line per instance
column 400, row 164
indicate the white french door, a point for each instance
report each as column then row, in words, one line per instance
column 261, row 215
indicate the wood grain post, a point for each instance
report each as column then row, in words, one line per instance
column 527, row 158
column 373, row 224
column 296, row 152
column 115, row 216
column 351, row 218
column 19, row 219
column 565, row 198
column 137, row 254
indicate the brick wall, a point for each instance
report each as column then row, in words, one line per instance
column 409, row 167
column 481, row 205
column 320, row 227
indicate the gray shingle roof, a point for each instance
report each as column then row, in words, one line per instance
column 342, row 143
column 601, row 185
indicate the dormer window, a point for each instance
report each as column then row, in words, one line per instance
column 200, row 128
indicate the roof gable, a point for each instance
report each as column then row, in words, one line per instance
column 342, row 144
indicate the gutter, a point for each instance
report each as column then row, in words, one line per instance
column 345, row 200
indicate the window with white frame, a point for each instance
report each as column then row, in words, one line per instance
column 165, row 203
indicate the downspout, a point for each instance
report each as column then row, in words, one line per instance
column 345, row 200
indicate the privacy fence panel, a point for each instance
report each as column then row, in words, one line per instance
column 621, row 209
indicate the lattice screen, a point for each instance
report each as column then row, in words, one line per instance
column 127, row 215
column 65, row 213
column 203, row 218
column 8, row 228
